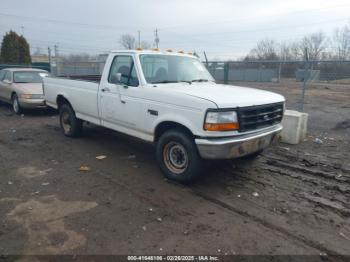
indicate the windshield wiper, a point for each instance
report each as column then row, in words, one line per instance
column 164, row 82
column 168, row 82
column 200, row 80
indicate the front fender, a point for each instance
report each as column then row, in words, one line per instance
column 178, row 119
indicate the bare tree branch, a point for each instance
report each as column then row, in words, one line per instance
column 341, row 42
column 312, row 46
column 127, row 41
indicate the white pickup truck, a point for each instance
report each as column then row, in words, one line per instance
column 171, row 100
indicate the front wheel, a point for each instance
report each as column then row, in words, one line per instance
column 15, row 105
column 70, row 124
column 178, row 157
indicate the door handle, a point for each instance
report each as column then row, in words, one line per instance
column 106, row 89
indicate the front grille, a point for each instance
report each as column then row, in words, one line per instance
column 255, row 117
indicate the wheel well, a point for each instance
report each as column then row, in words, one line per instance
column 165, row 126
column 12, row 94
column 61, row 100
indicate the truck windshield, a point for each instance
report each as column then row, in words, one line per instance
column 29, row 77
column 173, row 69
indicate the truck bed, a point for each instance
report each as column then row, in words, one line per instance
column 82, row 95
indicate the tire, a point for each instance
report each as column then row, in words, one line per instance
column 178, row 157
column 16, row 107
column 71, row 126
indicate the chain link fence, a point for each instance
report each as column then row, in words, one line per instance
column 81, row 68
column 297, row 75
column 293, row 79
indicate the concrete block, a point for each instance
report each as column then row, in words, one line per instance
column 294, row 127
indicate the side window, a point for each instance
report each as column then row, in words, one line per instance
column 125, row 66
column 2, row 74
column 8, row 76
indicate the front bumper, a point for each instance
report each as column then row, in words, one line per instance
column 234, row 147
column 32, row 103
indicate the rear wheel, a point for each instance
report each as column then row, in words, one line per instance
column 71, row 126
column 178, row 157
column 15, row 105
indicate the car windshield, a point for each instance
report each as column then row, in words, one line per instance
column 29, row 77
column 173, row 69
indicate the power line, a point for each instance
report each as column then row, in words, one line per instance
column 54, row 21
column 217, row 42
column 178, row 40
column 77, row 46
column 273, row 28
column 254, row 17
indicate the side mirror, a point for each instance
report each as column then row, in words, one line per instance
column 7, row 81
column 119, row 77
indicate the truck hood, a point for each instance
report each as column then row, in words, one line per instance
column 29, row 88
column 227, row 96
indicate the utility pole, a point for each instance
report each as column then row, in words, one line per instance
column 156, row 38
column 306, row 78
column 139, row 33
column 56, row 52
column 49, row 53
column 22, row 29
column 56, row 60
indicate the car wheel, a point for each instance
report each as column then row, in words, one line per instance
column 178, row 157
column 15, row 105
column 71, row 126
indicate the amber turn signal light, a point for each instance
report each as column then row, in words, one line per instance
column 221, row 127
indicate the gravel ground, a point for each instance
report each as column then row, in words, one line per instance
column 290, row 200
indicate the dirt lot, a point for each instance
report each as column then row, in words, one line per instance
column 291, row 200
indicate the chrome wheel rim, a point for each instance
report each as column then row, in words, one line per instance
column 15, row 105
column 65, row 121
column 175, row 157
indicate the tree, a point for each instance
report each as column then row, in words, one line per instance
column 312, row 46
column 15, row 49
column 341, row 42
column 265, row 50
column 145, row 45
column 127, row 41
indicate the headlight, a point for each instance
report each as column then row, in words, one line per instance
column 221, row 121
column 30, row 96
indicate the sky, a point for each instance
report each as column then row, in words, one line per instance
column 224, row 29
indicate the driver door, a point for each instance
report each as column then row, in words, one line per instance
column 114, row 110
